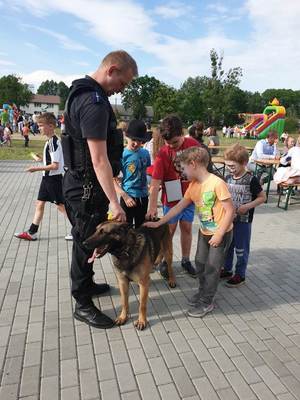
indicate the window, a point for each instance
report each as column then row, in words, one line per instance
column 50, row 105
column 37, row 104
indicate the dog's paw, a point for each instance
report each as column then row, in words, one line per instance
column 121, row 320
column 140, row 324
column 172, row 283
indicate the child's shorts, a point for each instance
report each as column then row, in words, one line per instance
column 187, row 214
column 51, row 189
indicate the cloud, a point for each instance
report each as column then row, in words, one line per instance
column 31, row 45
column 172, row 10
column 64, row 41
column 269, row 55
column 37, row 77
column 6, row 63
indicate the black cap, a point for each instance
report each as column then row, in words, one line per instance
column 137, row 130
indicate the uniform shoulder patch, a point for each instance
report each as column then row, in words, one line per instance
column 96, row 98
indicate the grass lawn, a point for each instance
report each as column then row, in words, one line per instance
column 36, row 145
column 18, row 152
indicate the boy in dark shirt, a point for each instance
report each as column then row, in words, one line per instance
column 246, row 193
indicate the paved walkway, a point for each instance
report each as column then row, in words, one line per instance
column 248, row 348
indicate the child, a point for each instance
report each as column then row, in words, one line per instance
column 215, row 210
column 25, row 133
column 51, row 185
column 135, row 160
column 7, row 134
column 246, row 193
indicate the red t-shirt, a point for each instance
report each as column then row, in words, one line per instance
column 164, row 168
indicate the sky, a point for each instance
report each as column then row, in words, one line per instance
column 171, row 40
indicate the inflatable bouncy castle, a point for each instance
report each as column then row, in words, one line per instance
column 273, row 117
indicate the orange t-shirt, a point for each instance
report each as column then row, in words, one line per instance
column 207, row 197
column 25, row 131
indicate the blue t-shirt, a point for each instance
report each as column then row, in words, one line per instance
column 134, row 165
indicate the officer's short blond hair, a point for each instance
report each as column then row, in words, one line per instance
column 122, row 59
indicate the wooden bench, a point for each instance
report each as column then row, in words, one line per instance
column 286, row 191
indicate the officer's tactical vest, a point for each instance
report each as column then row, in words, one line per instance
column 75, row 149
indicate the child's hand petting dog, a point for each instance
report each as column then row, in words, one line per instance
column 152, row 223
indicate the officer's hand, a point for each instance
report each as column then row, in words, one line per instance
column 118, row 214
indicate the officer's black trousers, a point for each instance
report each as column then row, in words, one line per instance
column 84, row 224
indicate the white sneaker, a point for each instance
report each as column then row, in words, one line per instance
column 69, row 237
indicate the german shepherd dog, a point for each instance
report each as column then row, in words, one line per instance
column 134, row 252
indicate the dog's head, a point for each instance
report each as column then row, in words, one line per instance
column 109, row 235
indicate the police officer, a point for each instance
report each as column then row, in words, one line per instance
column 92, row 149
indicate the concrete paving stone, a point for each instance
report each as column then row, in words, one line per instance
column 66, row 327
column 33, row 354
column 109, row 390
column 169, row 392
column 234, row 333
column 200, row 350
column 50, row 388
column 6, row 316
column 119, row 352
column 51, row 339
column 215, row 375
column 286, row 396
column 294, row 368
column 69, row 373
column 16, row 345
column 12, row 371
column 125, row 378
column 170, row 355
column 100, row 342
column 271, row 380
column 262, row 391
column 226, row 394
column 50, row 363
column 35, row 332
column 222, row 359
column 138, row 361
column 150, row 347
column 67, row 347
column 105, row 367
column 205, row 389
column 147, row 387
column 131, row 339
column 182, row 381
column 280, row 337
column 161, row 333
column 273, row 362
column 30, row 381
column 85, row 357
column 278, row 350
column 207, row 338
column 213, row 325
column 180, row 342
column 248, row 372
column 9, row 392
column 82, row 331
column 131, row 396
column 239, row 385
column 70, row 393
column 227, row 344
column 159, row 371
column 4, row 335
column 254, row 340
column 89, row 388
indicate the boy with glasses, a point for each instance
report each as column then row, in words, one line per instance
column 246, row 193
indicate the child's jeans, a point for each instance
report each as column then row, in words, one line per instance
column 209, row 260
column 241, row 244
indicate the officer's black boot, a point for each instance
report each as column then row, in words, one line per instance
column 90, row 314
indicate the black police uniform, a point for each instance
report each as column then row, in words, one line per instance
column 88, row 115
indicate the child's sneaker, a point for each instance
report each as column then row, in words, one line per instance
column 225, row 274
column 235, row 281
column 26, row 236
column 187, row 266
column 201, row 310
column 195, row 300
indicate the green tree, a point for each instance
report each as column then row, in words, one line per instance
column 62, row 92
column 48, row 88
column 190, row 99
column 12, row 90
column 55, row 89
column 139, row 94
column 165, row 101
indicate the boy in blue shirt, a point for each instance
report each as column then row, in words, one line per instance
column 135, row 160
